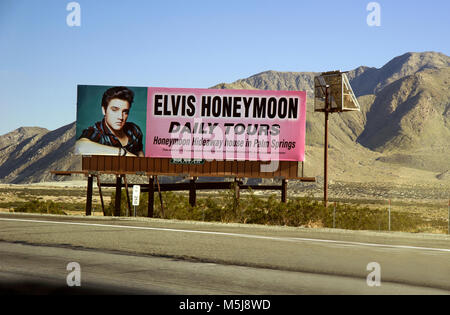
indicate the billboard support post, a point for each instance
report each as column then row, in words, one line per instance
column 100, row 193
column 128, row 196
column 89, row 195
column 160, row 198
column 151, row 196
column 237, row 191
column 118, row 199
column 284, row 190
column 236, row 194
column 325, row 161
column 334, row 215
column 192, row 192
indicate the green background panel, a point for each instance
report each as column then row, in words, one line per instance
column 89, row 107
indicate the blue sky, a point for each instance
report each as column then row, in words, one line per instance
column 192, row 44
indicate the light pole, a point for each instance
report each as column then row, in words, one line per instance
column 325, row 157
column 332, row 94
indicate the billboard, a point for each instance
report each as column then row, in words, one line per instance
column 191, row 124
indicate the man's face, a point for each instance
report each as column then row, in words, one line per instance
column 116, row 114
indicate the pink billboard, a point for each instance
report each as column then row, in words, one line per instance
column 225, row 125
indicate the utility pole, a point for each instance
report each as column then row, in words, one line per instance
column 325, row 158
column 332, row 94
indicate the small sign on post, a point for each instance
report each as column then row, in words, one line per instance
column 136, row 194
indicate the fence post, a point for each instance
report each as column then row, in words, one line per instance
column 448, row 208
column 389, row 225
column 334, row 215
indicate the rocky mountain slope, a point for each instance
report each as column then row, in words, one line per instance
column 402, row 132
column 404, row 118
column 28, row 154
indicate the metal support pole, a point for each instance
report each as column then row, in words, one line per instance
column 325, row 157
column 89, row 195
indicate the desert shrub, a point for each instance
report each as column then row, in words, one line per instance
column 141, row 210
column 269, row 210
column 36, row 206
column 209, row 208
column 355, row 217
column 176, row 206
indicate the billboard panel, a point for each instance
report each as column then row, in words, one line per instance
column 111, row 120
column 191, row 124
column 225, row 125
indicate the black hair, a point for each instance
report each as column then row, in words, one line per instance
column 119, row 92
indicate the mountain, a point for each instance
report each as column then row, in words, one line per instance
column 416, row 114
column 366, row 80
column 19, row 135
column 405, row 110
column 28, row 154
column 402, row 132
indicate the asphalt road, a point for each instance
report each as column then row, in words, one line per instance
column 151, row 256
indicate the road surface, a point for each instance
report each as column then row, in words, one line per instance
column 154, row 256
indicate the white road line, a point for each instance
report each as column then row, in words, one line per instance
column 288, row 239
